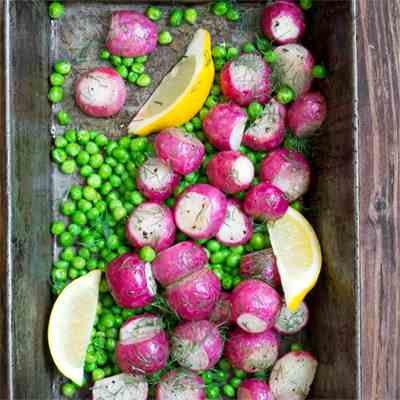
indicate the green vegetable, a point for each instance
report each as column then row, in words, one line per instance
column 57, row 227
column 219, row 51
column 116, row 60
column 141, row 59
column 65, row 239
column 254, row 110
column 305, row 4
column 219, row 8
column 56, row 94
column 285, row 95
column 122, row 71
column 63, row 67
column 147, row 254
column 248, row 47
column 231, row 53
column 319, row 72
column 221, row 376
column 59, row 155
column 68, row 390
column 232, row 15
column 235, row 382
column 104, row 54
column 190, row 16
column 68, row 167
column 153, row 13
column 207, row 377
column 176, row 17
column 239, row 373
column 229, row 391
column 56, row 10
column 296, row 347
column 56, row 79
column 164, row 38
column 143, row 80
column 98, row 374
column 213, row 392
column 270, row 57
column 63, row 118
column 219, row 63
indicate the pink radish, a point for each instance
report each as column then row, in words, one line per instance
column 261, row 265
column 254, row 389
column 255, row 305
column 283, row 22
column 131, row 34
column 307, row 114
column 222, row 311
column 287, row 170
column 100, row 92
column 194, row 297
column 288, row 323
column 121, row 386
column 181, row 384
column 131, row 281
column 294, row 66
column 156, row 180
column 246, row 79
column 230, row 171
column 178, row 261
column 180, row 149
column 196, row 345
column 143, row 345
column 151, row 224
column 200, row 211
column 267, row 132
column 252, row 352
column 292, row 376
column 237, row 227
column 265, row 201
column 224, row 126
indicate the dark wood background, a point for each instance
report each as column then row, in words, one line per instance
column 378, row 47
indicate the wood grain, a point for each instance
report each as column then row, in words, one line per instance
column 379, row 231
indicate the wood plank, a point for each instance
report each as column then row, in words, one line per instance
column 379, row 190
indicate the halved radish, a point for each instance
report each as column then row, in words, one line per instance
column 288, row 323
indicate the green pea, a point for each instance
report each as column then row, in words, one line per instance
column 296, row 347
column 112, row 242
column 93, row 214
column 271, row 57
column 190, row 16
column 60, row 142
column 122, row 71
column 176, row 17
column 233, row 260
column 232, row 15
column 110, row 344
column 138, row 144
column 219, row 273
column 254, row 110
column 57, row 227
column 101, row 140
column 63, row 67
column 219, row 64
column 248, row 47
column 213, row 392
column 83, row 137
column 235, row 382
column 305, row 4
column 116, row 60
column 58, row 155
column 231, row 53
column 96, row 160
column 239, row 373
column 68, row 390
column 61, row 264
column 319, row 71
column 68, row 254
column 56, row 79
column 119, row 213
column 219, row 51
column 63, row 118
column 74, row 229
column 141, row 59
column 68, row 167
column 229, row 391
column 121, row 154
column 257, row 241
column 79, row 218
column 94, row 181
column 211, row 101
column 213, row 245
column 132, row 77
column 104, row 54
column 89, row 367
column 196, row 122
column 138, row 68
column 89, row 193
column 227, row 282
column 207, row 377
column 115, row 181
column 147, row 254
column 165, row 38
column 137, row 198
column 260, row 374
column 285, row 95
column 107, row 320
column 83, row 157
column 238, row 250
column 153, row 13
column 73, row 273
column 92, row 148
column 56, row 94
column 98, row 374
column 78, row 262
column 58, row 274
column 72, row 149
column 219, row 8
column 65, row 239
column 221, row 376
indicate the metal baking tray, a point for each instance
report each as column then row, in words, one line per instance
column 33, row 185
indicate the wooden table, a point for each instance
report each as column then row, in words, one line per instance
column 378, row 42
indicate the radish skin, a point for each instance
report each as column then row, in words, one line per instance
column 246, row 79
column 230, row 171
column 254, row 389
column 288, row 323
column 261, row 265
column 131, row 34
column 292, row 376
column 143, row 345
column 224, row 126
column 287, row 170
column 222, row 311
column 156, row 179
column 283, row 22
column 131, row 281
column 120, row 387
column 294, row 66
column 200, row 211
column 194, row 297
column 178, row 261
column 196, row 345
column 237, row 227
column 151, row 224
column 252, row 352
column 100, row 92
column 265, row 201
column 307, row 114
column 267, row 131
column 255, row 306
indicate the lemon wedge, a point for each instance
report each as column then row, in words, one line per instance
column 298, row 255
column 182, row 92
column 71, row 323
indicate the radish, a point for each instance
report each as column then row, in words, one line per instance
column 100, row 92
column 252, row 352
column 194, row 297
column 255, row 305
column 230, row 171
column 224, row 126
column 181, row 384
column 283, row 22
column 292, row 376
column 307, row 114
column 120, row 387
column 178, row 261
column 200, row 211
column 288, row 323
column 261, row 265
column 156, row 180
column 222, row 311
column 131, row 281
column 294, row 66
column 151, row 224
column 142, row 346
column 246, row 79
column 237, row 227
column 254, row 389
column 287, row 170
column 181, row 150
column 267, row 131
column 196, row 345
column 131, row 34
column 265, row 201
